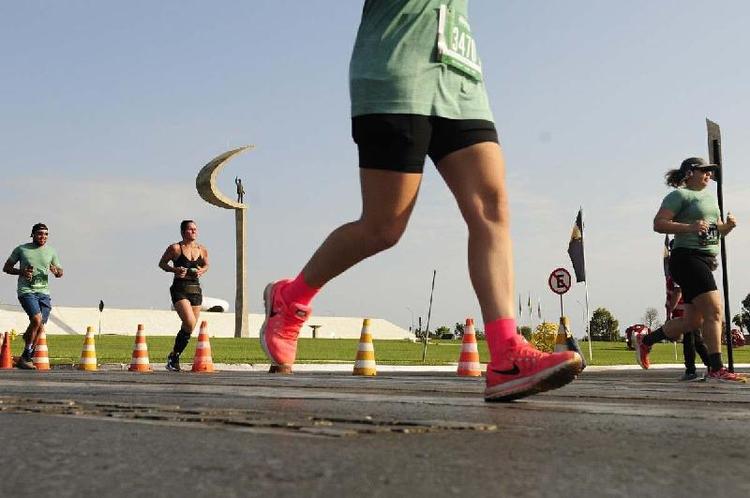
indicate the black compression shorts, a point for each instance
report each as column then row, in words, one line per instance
column 186, row 290
column 693, row 271
column 401, row 142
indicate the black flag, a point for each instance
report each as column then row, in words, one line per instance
column 575, row 248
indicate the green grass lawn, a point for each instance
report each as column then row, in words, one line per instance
column 65, row 349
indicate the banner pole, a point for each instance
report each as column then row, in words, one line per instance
column 588, row 319
column 714, row 154
column 429, row 313
column 586, row 286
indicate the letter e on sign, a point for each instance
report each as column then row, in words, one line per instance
column 559, row 281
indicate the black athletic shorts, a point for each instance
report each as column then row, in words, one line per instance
column 693, row 271
column 400, row 142
column 186, row 290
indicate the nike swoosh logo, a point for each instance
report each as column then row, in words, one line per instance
column 512, row 371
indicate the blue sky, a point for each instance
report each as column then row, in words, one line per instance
column 109, row 109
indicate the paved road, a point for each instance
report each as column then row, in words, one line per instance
column 111, row 433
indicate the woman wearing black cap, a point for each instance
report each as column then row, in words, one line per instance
column 691, row 213
column 189, row 261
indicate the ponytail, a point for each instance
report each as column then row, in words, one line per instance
column 675, row 177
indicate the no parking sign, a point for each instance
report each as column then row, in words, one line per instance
column 559, row 281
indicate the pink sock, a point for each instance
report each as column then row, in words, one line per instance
column 499, row 333
column 297, row 291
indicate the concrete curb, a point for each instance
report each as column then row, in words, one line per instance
column 348, row 367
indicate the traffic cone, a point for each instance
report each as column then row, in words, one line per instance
column 365, row 361
column 41, row 354
column 139, row 361
column 88, row 353
column 6, row 360
column 468, row 360
column 569, row 342
column 203, row 362
column 561, row 339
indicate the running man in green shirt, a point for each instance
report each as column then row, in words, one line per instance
column 35, row 261
column 417, row 90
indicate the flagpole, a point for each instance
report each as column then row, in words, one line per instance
column 528, row 305
column 586, row 286
column 588, row 316
column 577, row 253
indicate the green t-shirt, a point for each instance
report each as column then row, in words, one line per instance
column 40, row 257
column 690, row 206
column 396, row 65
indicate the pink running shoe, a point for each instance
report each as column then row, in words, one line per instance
column 725, row 375
column 523, row 370
column 641, row 350
column 278, row 334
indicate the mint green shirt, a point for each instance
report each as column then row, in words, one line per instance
column 690, row 206
column 395, row 69
column 40, row 257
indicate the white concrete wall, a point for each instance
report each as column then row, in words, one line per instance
column 69, row 320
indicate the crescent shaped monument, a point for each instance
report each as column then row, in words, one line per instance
column 206, row 180
column 205, row 183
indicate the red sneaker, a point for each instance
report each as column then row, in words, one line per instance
column 278, row 334
column 725, row 375
column 523, row 370
column 641, row 350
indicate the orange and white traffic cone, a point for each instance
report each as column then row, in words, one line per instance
column 41, row 353
column 562, row 335
column 569, row 342
column 139, row 360
column 88, row 353
column 6, row 360
column 468, row 360
column 364, row 364
column 203, row 363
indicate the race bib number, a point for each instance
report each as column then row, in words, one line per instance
column 456, row 47
column 711, row 237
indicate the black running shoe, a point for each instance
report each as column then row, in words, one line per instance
column 173, row 362
column 25, row 362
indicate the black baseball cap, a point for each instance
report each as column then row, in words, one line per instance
column 692, row 163
column 38, row 226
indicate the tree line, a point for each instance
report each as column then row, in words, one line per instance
column 602, row 327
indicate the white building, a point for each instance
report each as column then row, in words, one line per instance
column 71, row 320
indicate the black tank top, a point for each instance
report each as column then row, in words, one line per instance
column 190, row 264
